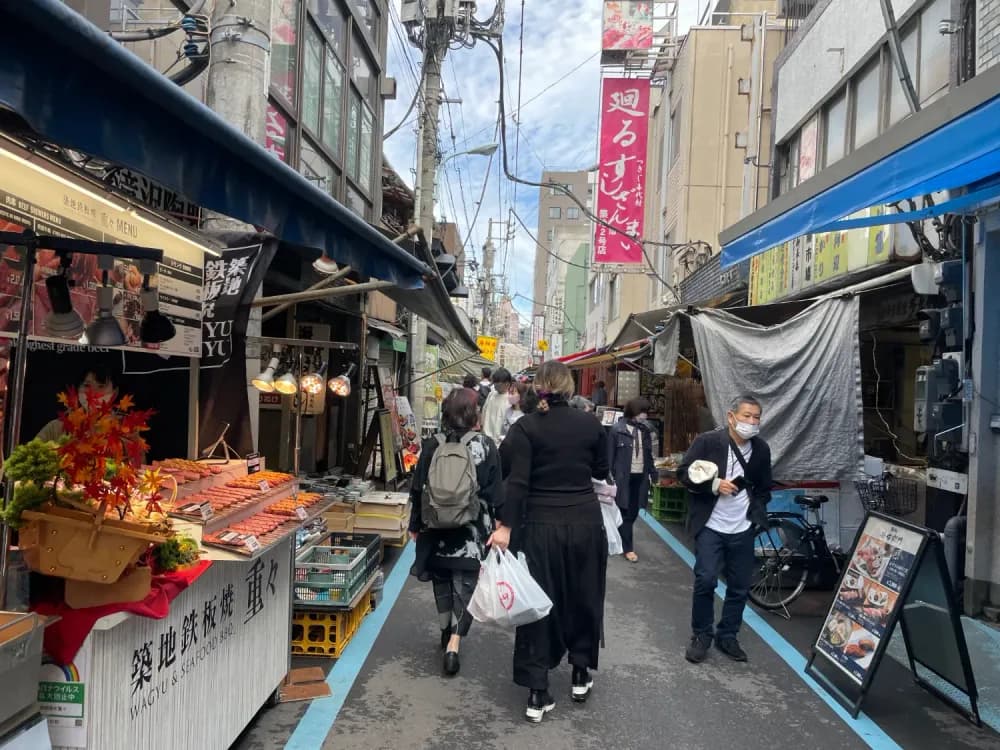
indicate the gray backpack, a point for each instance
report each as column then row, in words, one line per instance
column 451, row 494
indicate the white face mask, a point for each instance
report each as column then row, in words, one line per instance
column 746, row 430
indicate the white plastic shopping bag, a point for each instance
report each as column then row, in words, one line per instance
column 506, row 593
column 612, row 520
column 605, row 491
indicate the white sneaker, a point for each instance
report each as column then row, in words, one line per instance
column 540, row 702
column 325, row 266
column 583, row 683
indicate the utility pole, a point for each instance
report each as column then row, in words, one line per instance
column 489, row 254
column 239, row 74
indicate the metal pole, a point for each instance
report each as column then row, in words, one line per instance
column 15, row 395
column 318, row 285
column 298, row 425
column 340, row 291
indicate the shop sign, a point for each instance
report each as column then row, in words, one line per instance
column 488, row 347
column 149, row 193
column 156, row 683
column 806, row 261
column 621, row 183
column 34, row 198
column 225, row 307
column 627, row 25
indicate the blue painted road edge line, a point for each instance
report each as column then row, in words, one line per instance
column 316, row 723
column 866, row 729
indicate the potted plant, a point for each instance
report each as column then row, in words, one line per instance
column 85, row 509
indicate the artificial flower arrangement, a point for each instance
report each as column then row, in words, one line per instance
column 85, row 508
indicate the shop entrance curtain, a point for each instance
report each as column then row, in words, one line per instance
column 807, row 374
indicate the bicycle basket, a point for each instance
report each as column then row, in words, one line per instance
column 888, row 494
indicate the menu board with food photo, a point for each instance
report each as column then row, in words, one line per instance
column 868, row 595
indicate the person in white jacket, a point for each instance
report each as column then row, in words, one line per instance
column 495, row 408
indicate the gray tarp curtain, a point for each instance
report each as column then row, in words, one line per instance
column 806, row 373
column 667, row 346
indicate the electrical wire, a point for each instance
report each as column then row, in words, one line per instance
column 539, row 244
column 878, row 383
column 498, row 51
column 565, row 318
column 402, row 122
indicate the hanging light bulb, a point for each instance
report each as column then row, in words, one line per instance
column 105, row 330
column 155, row 327
column 312, row 383
column 341, row 385
column 286, row 384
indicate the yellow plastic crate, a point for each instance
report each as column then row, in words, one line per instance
column 326, row 633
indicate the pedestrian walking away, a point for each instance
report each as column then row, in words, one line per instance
column 631, row 462
column 496, row 406
column 551, row 514
column 728, row 475
column 455, row 500
column 485, row 387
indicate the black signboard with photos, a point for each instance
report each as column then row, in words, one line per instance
column 896, row 574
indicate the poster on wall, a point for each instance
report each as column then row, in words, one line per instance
column 409, row 432
column 32, row 198
column 621, row 182
column 627, row 25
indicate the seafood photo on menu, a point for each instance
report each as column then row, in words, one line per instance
column 872, row 557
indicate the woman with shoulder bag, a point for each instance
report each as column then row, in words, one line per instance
column 631, row 459
column 451, row 557
column 555, row 518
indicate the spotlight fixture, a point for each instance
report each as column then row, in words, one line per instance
column 341, row 385
column 63, row 321
column 286, row 384
column 265, row 381
column 155, row 327
column 104, row 330
column 312, row 383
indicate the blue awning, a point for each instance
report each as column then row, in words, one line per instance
column 957, row 150
column 76, row 87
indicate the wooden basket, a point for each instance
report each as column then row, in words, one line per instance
column 81, row 547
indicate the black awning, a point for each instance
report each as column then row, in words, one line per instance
column 76, row 87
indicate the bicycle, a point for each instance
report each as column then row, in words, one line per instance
column 789, row 551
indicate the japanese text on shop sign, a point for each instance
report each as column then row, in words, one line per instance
column 621, row 180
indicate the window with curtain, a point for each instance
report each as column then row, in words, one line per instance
column 284, row 47
column 835, row 129
column 898, row 107
column 333, row 101
column 935, row 52
column 312, row 79
column 866, row 103
column 353, row 135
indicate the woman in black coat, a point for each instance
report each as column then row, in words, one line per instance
column 450, row 558
column 555, row 518
column 632, row 467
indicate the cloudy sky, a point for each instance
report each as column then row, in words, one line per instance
column 558, row 121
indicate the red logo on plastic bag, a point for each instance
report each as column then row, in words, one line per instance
column 506, row 594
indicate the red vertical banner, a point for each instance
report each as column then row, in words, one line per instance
column 621, row 184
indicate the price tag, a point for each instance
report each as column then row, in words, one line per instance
column 251, row 543
column 253, row 463
column 206, row 511
column 264, row 486
column 301, row 513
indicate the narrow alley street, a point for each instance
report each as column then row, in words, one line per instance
column 388, row 691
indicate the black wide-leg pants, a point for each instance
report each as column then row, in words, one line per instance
column 569, row 561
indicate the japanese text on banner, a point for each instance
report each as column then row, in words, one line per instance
column 621, row 181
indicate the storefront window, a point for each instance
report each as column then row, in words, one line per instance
column 331, row 21
column 277, row 134
column 284, row 44
column 315, row 168
column 367, row 130
column 312, row 79
column 353, row 133
column 898, row 107
column 866, row 104
column 935, row 51
column 836, row 129
column 361, row 72
column 333, row 99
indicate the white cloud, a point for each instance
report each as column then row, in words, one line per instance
column 558, row 129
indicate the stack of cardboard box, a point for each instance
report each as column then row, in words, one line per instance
column 385, row 513
column 340, row 517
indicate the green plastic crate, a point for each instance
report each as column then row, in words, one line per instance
column 669, row 503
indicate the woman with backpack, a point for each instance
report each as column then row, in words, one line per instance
column 455, row 494
column 552, row 514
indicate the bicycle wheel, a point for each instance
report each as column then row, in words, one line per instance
column 782, row 558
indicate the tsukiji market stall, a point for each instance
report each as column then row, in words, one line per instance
column 152, row 579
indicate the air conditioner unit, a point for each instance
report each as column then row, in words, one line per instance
column 411, row 11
